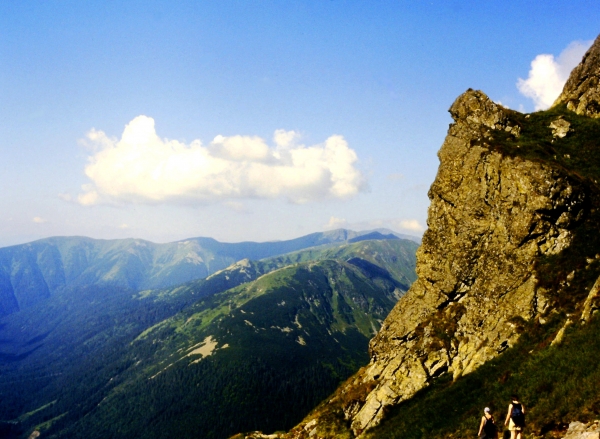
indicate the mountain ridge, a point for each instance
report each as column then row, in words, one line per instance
column 32, row 272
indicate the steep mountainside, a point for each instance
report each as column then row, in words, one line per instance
column 299, row 330
column 30, row 273
column 109, row 362
column 512, row 246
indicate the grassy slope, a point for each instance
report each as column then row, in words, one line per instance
column 557, row 384
column 385, row 254
column 81, row 335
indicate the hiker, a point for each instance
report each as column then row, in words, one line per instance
column 487, row 428
column 515, row 418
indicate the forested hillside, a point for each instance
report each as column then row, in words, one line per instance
column 90, row 356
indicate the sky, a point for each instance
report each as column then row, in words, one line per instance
column 253, row 120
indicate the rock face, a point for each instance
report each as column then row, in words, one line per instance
column 582, row 92
column 492, row 215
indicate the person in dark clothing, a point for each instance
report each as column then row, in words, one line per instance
column 487, row 427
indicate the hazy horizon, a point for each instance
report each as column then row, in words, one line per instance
column 408, row 235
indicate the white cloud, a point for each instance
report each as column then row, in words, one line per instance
column 409, row 224
column 285, row 139
column 123, row 226
column 548, row 74
column 335, row 223
column 141, row 167
column 39, row 220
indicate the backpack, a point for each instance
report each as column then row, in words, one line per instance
column 517, row 415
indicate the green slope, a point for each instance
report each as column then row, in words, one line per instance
column 64, row 356
column 385, row 254
column 82, row 333
column 281, row 344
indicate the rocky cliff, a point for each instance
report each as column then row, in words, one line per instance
column 490, row 217
column 512, row 232
column 581, row 93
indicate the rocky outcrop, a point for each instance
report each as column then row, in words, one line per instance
column 490, row 217
column 579, row 430
column 581, row 93
column 592, row 302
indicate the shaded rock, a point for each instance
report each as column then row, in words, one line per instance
column 592, row 302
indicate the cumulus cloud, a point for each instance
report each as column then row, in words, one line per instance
column 549, row 74
column 409, row 224
column 142, row 167
column 39, row 220
column 335, row 223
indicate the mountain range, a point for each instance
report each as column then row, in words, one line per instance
column 33, row 272
column 206, row 358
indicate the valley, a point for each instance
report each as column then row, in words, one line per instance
column 247, row 339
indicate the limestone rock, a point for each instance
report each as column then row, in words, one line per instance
column 581, row 92
column 561, row 333
column 560, row 127
column 592, row 302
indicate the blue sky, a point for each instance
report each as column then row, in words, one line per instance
column 250, row 120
